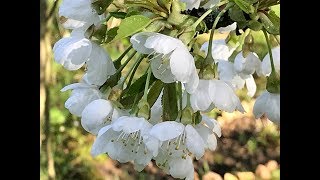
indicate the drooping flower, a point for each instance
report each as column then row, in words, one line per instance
column 221, row 51
column 215, row 93
column 178, row 142
column 268, row 104
column 240, row 72
column 171, row 59
column 124, row 141
column 266, row 64
column 77, row 14
column 100, row 66
column 72, row 52
column 82, row 94
column 98, row 114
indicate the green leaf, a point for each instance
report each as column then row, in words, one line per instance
column 119, row 15
column 131, row 25
column 255, row 25
column 138, row 85
column 154, row 92
column 271, row 22
column 236, row 14
column 245, row 6
column 111, row 34
column 101, row 5
column 169, row 102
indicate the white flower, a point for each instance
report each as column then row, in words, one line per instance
column 240, row 72
column 215, row 93
column 72, row 52
column 82, row 94
column 123, row 140
column 266, row 64
column 171, row 59
column 98, row 114
column 156, row 111
column 100, row 66
column 269, row 104
column 77, row 13
column 178, row 141
column 221, row 51
column 196, row 3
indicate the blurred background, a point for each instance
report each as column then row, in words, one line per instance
column 248, row 149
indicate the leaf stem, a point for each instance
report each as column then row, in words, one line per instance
column 146, row 87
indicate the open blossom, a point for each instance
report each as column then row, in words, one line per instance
column 221, row 51
column 240, row 72
column 171, row 59
column 268, row 104
column 196, row 3
column 82, row 94
column 124, row 141
column 98, row 114
column 266, row 64
column 178, row 142
column 74, row 51
column 77, row 14
column 215, row 93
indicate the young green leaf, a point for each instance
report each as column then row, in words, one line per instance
column 154, row 92
column 245, row 6
column 131, row 25
column 169, row 102
column 111, row 34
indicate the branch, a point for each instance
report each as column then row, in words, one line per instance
column 52, row 10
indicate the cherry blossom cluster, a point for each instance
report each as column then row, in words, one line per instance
column 166, row 120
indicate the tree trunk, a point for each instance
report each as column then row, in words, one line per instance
column 45, row 71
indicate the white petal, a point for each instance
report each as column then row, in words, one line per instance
column 226, row 71
column 80, row 98
column 167, row 130
column 194, row 142
column 208, row 137
column 199, row 99
column 72, row 52
column 223, row 96
column 266, row 64
column 228, row 28
column 251, row 86
column 180, row 63
column 156, row 111
column 75, row 86
column 162, row 43
column 161, row 70
column 180, row 168
column 193, row 82
column 138, row 42
column 128, row 124
column 260, row 105
column 220, row 50
column 212, row 124
column 100, row 144
column 96, row 115
column 100, row 66
column 273, row 109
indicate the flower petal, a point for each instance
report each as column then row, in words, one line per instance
column 96, row 115
column 228, row 28
column 251, row 86
column 194, row 142
column 138, row 42
column 167, row 130
column 162, row 44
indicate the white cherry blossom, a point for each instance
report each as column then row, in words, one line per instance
column 268, row 104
